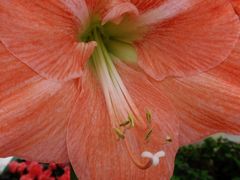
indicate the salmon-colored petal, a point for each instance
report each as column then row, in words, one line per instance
column 229, row 71
column 236, row 5
column 146, row 5
column 94, row 150
column 187, row 38
column 168, row 9
column 79, row 9
column 117, row 11
column 148, row 97
column 109, row 10
column 33, row 112
column 42, row 34
column 97, row 6
column 208, row 103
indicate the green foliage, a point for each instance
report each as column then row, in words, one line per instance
column 210, row 160
column 73, row 176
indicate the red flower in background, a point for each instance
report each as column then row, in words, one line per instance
column 113, row 86
column 13, row 167
column 26, row 177
column 22, row 166
column 34, row 170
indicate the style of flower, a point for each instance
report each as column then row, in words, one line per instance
column 116, row 86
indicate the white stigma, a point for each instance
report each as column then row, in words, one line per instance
column 155, row 158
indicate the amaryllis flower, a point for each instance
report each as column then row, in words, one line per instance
column 116, row 86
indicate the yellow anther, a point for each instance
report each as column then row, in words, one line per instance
column 131, row 120
column 124, row 123
column 168, row 139
column 119, row 133
column 149, row 117
column 148, row 134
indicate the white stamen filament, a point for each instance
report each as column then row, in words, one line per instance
column 119, row 102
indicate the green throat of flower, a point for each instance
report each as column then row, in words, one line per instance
column 116, row 39
column 115, row 42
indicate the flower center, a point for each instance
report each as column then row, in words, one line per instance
column 117, row 39
column 115, row 43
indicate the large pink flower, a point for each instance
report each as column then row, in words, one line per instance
column 116, row 86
